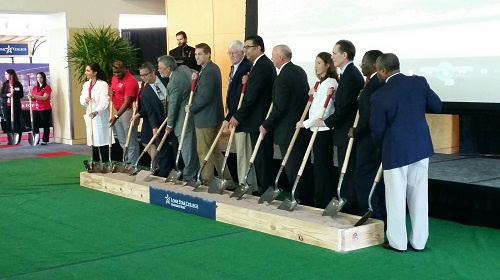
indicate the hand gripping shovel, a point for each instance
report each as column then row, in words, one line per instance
column 290, row 203
column 133, row 170
column 335, row 204
column 89, row 165
column 177, row 173
column 145, row 175
column 107, row 168
column 13, row 138
column 207, row 157
column 370, row 209
column 272, row 193
column 218, row 185
column 33, row 137
column 239, row 192
column 123, row 167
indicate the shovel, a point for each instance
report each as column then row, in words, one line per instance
column 89, row 165
column 13, row 138
column 290, row 203
column 133, row 170
column 109, row 168
column 272, row 193
column 370, row 209
column 335, row 204
column 207, row 157
column 218, row 185
column 32, row 137
column 124, row 166
column 239, row 192
column 177, row 173
column 145, row 175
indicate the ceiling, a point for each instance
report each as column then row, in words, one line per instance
column 19, row 38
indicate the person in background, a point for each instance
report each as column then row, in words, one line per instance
column 123, row 92
column 324, row 180
column 95, row 99
column 400, row 131
column 42, row 109
column 184, row 51
column 16, row 90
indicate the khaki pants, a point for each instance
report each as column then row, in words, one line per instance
column 243, row 155
column 204, row 140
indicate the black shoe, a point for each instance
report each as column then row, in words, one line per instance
column 416, row 250
column 387, row 246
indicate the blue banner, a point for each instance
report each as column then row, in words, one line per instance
column 182, row 202
column 14, row 49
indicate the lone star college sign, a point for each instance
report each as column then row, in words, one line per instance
column 14, row 49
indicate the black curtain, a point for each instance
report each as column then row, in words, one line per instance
column 151, row 42
column 251, row 19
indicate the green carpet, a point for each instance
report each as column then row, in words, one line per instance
column 51, row 228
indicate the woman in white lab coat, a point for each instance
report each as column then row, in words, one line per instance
column 95, row 98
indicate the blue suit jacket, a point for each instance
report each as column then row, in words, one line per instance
column 397, row 120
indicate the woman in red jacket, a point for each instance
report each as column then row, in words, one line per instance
column 42, row 109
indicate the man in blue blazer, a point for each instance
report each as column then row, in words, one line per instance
column 400, row 131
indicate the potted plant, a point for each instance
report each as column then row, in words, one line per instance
column 103, row 46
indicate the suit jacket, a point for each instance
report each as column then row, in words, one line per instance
column 178, row 90
column 258, row 96
column 397, row 120
column 346, row 104
column 290, row 95
column 207, row 100
column 189, row 54
column 151, row 107
column 234, row 89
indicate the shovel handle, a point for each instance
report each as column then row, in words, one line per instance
column 129, row 133
column 110, row 131
column 259, row 140
column 234, row 128
column 349, row 146
column 184, row 125
column 216, row 141
column 152, row 140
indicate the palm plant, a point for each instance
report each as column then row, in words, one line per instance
column 103, row 46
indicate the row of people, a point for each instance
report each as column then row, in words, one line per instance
column 42, row 108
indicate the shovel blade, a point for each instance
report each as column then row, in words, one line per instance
column 132, row 170
column 269, row 195
column 224, row 185
column 33, row 139
column 144, row 176
column 239, row 192
column 288, row 204
column 364, row 218
column 213, row 186
column 88, row 166
column 107, row 168
column 334, row 207
column 174, row 176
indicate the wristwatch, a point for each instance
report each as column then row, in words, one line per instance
column 116, row 116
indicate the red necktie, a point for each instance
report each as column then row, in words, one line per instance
column 366, row 82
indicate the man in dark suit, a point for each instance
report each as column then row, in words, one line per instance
column 290, row 95
column 154, row 108
column 255, row 106
column 178, row 90
column 346, row 105
column 367, row 156
column 208, row 111
column 400, row 131
column 240, row 66
column 184, row 54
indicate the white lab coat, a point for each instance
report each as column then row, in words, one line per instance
column 100, row 103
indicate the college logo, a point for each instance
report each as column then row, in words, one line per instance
column 182, row 202
column 14, row 49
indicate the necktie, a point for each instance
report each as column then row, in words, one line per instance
column 183, row 52
column 162, row 98
column 231, row 74
column 366, row 82
column 340, row 77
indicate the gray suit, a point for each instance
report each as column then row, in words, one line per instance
column 178, row 90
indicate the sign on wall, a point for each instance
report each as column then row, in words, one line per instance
column 18, row 49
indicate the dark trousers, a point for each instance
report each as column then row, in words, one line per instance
column 324, row 177
column 367, row 163
column 348, row 191
column 17, row 121
column 42, row 119
column 263, row 161
column 99, row 153
column 305, row 187
column 165, row 156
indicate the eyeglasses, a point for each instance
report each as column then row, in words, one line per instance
column 364, row 63
column 144, row 75
column 234, row 53
column 247, row 47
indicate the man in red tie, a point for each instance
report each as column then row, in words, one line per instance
column 367, row 156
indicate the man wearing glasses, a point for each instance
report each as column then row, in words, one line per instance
column 255, row 106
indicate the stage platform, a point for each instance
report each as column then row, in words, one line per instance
column 465, row 189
